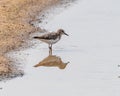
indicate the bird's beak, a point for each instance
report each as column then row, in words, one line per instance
column 66, row 34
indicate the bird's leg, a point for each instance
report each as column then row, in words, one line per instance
column 50, row 49
column 49, row 46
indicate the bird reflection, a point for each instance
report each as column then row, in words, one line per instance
column 52, row 61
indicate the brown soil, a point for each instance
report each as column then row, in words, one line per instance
column 15, row 17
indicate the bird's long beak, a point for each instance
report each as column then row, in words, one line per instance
column 66, row 34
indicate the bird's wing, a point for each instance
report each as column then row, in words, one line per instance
column 49, row 36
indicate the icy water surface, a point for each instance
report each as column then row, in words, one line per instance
column 93, row 50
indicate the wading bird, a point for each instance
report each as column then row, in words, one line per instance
column 51, row 38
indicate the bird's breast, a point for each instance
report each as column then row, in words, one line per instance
column 53, row 41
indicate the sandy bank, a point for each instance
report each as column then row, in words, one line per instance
column 15, row 26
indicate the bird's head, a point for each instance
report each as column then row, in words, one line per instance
column 62, row 32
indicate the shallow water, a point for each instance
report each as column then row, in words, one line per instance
column 92, row 50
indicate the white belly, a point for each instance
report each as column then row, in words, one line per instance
column 52, row 41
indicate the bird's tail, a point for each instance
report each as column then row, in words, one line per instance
column 36, row 37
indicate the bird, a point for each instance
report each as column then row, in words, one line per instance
column 51, row 38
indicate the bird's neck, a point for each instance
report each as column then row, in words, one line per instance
column 59, row 35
